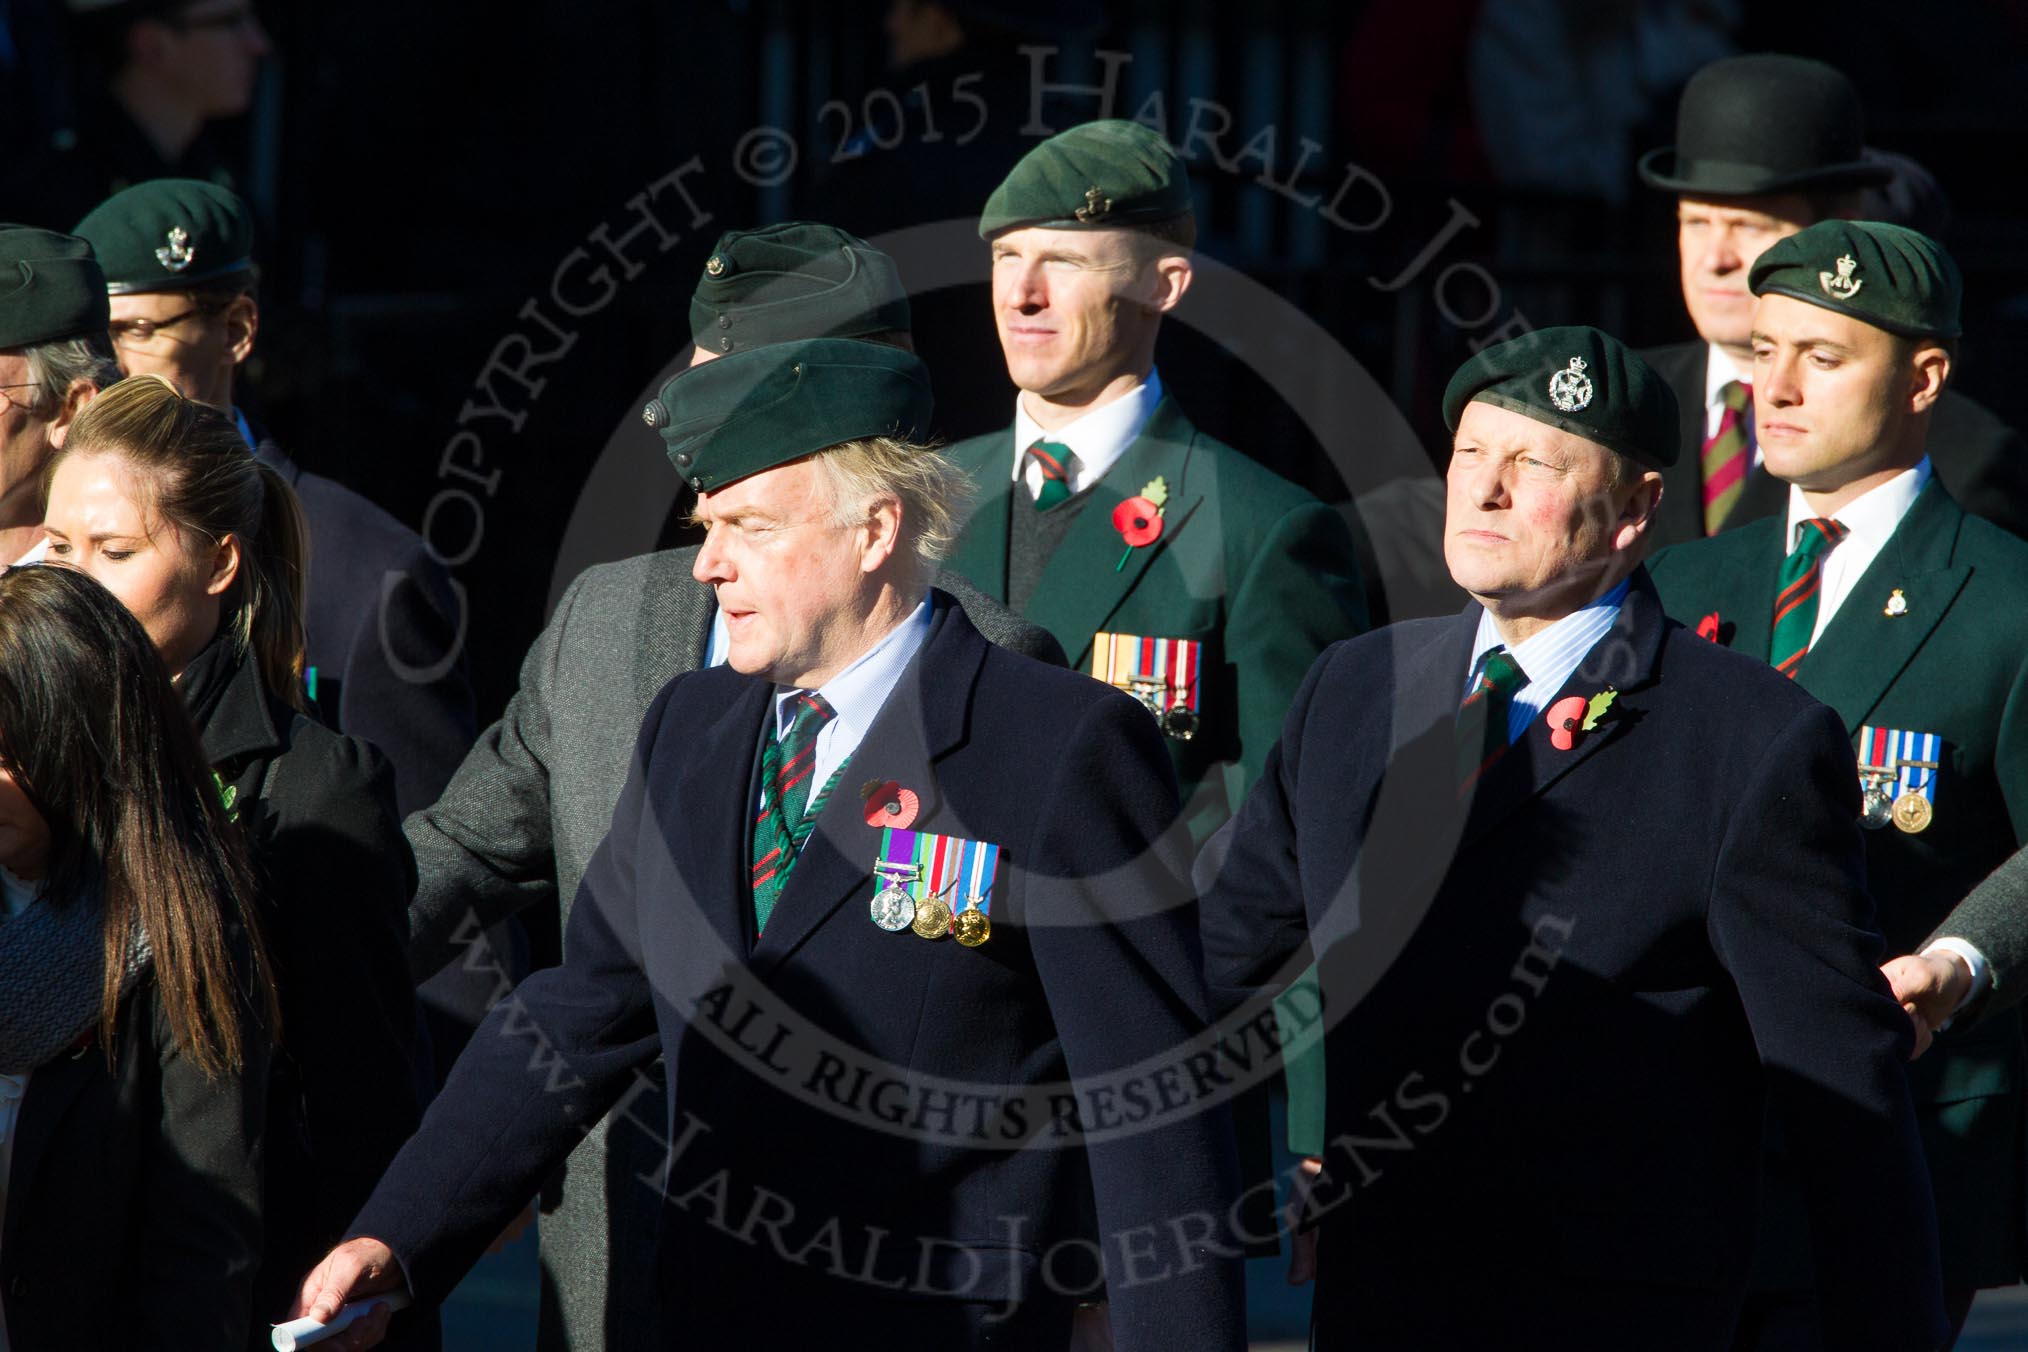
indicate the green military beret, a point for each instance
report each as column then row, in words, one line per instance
column 50, row 287
column 1100, row 174
column 794, row 280
column 169, row 234
column 1586, row 382
column 1885, row 275
column 723, row 420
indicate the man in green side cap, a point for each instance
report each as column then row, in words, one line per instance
column 53, row 358
column 1584, row 895
column 1878, row 594
column 855, row 849
column 523, row 814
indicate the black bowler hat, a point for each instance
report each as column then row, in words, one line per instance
column 1765, row 123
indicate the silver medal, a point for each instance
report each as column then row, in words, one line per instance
column 893, row 908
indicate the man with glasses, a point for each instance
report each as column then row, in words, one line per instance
column 53, row 359
column 169, row 71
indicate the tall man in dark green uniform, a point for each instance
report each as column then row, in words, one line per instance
column 1765, row 145
column 1154, row 553
column 1881, row 596
column 1164, row 561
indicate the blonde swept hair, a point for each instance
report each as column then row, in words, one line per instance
column 931, row 488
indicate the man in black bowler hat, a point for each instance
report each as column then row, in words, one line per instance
column 856, row 851
column 1585, row 892
column 1765, row 145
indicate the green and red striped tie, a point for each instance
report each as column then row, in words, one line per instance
column 1727, row 457
column 1482, row 718
column 787, row 812
column 1053, row 459
column 1802, row 578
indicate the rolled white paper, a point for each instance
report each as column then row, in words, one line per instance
column 308, row 1332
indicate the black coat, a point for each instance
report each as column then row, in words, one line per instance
column 134, row 1200
column 1554, row 1013
column 1975, row 455
column 1092, row 966
column 335, row 875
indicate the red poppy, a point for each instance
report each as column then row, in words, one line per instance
column 1708, row 627
column 1566, row 718
column 889, row 804
column 1138, row 521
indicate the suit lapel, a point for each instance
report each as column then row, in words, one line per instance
column 1745, row 585
column 1864, row 649
column 1084, row 582
column 979, row 555
column 922, row 720
column 704, row 822
column 1533, row 764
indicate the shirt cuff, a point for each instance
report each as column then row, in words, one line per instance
column 1982, row 971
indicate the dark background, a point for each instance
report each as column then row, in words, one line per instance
column 421, row 171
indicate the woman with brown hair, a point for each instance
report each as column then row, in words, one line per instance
column 157, row 498
column 136, row 1009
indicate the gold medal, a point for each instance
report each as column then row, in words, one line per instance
column 932, row 918
column 973, row 926
column 1912, row 812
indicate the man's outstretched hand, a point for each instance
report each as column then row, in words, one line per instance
column 356, row 1270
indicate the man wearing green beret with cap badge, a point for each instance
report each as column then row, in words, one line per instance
column 522, row 816
column 1879, row 595
column 1164, row 561
column 1767, row 144
column 856, row 842
column 53, row 358
column 1585, row 898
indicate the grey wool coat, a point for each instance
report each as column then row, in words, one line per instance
column 517, row 825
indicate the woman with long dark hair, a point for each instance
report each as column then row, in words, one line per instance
column 136, row 1008
column 157, row 497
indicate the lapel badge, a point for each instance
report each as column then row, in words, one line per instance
column 1570, row 388
column 1897, row 605
column 1844, row 286
column 1097, row 206
column 1707, row 628
column 177, row 254
column 1162, row 673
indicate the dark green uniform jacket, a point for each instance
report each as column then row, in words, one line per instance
column 1953, row 663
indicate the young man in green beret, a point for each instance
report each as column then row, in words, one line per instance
column 53, row 359
column 520, row 819
column 1767, row 144
column 857, row 832
column 1585, row 899
column 1879, row 595
column 1164, row 561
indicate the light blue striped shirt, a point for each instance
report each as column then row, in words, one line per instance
column 1549, row 657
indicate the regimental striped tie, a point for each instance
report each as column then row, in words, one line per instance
column 1802, row 578
column 787, row 812
column 1728, row 454
column 1054, row 459
column 1482, row 718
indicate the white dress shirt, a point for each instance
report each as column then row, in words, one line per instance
column 1548, row 657
column 1870, row 520
column 1098, row 438
column 857, row 694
